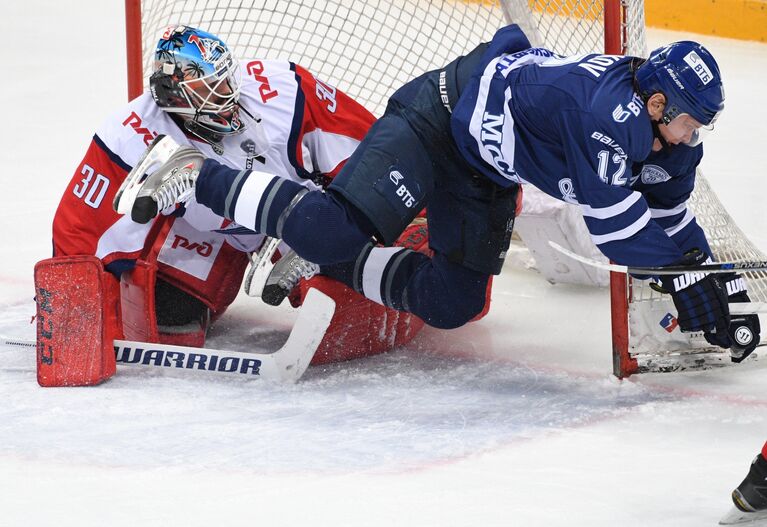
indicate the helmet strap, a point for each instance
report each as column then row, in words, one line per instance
column 199, row 131
column 656, row 133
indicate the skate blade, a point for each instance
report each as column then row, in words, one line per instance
column 260, row 267
column 158, row 152
column 750, row 519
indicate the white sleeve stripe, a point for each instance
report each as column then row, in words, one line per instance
column 624, row 233
column 664, row 213
column 602, row 213
column 688, row 217
column 246, row 207
column 475, row 124
column 372, row 272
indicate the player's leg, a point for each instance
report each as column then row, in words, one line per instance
column 751, row 494
column 750, row 498
column 470, row 221
column 381, row 188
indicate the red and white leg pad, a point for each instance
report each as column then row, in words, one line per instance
column 78, row 318
column 139, row 317
column 137, row 302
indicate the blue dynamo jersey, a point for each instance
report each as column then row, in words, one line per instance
column 575, row 128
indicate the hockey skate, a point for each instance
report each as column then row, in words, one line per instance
column 171, row 182
column 285, row 276
column 750, row 497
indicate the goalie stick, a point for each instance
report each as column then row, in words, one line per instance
column 742, row 308
column 286, row 364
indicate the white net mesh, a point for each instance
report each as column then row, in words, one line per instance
column 577, row 26
column 369, row 48
column 365, row 48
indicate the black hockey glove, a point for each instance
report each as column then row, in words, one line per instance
column 700, row 301
column 744, row 330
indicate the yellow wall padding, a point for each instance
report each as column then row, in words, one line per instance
column 742, row 19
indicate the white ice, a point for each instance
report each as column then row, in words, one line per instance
column 515, row 420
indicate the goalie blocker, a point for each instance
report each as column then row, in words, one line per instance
column 82, row 310
column 78, row 318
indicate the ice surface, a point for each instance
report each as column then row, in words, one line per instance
column 512, row 421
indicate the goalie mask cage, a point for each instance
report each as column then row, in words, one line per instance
column 368, row 48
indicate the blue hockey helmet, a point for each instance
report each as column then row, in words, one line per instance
column 196, row 77
column 688, row 76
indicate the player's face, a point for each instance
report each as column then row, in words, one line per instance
column 683, row 129
column 217, row 99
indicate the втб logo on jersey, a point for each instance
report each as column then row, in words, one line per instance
column 633, row 108
column 402, row 191
column 134, row 121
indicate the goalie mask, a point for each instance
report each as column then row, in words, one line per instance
column 197, row 79
column 689, row 78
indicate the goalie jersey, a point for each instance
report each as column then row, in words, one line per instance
column 575, row 128
column 301, row 128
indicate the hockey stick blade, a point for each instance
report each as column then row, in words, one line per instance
column 745, row 308
column 287, row 364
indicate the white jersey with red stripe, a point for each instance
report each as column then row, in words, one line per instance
column 295, row 127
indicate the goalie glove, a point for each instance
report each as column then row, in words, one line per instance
column 744, row 330
column 700, row 301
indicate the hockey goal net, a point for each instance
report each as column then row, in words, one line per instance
column 368, row 48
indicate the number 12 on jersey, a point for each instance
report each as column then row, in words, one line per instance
column 616, row 178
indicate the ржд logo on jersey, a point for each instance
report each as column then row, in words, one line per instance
column 134, row 121
column 255, row 68
column 204, row 249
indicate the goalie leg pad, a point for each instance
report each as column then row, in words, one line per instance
column 137, row 297
column 78, row 319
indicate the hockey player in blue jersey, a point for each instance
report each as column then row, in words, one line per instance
column 617, row 136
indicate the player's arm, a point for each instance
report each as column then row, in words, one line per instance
column 617, row 217
column 667, row 187
column 86, row 224
column 330, row 128
column 621, row 225
column 668, row 206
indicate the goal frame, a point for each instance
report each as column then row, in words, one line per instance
column 616, row 40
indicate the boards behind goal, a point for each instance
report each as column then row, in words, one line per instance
column 368, row 48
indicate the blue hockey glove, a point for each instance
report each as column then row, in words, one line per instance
column 744, row 330
column 700, row 301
